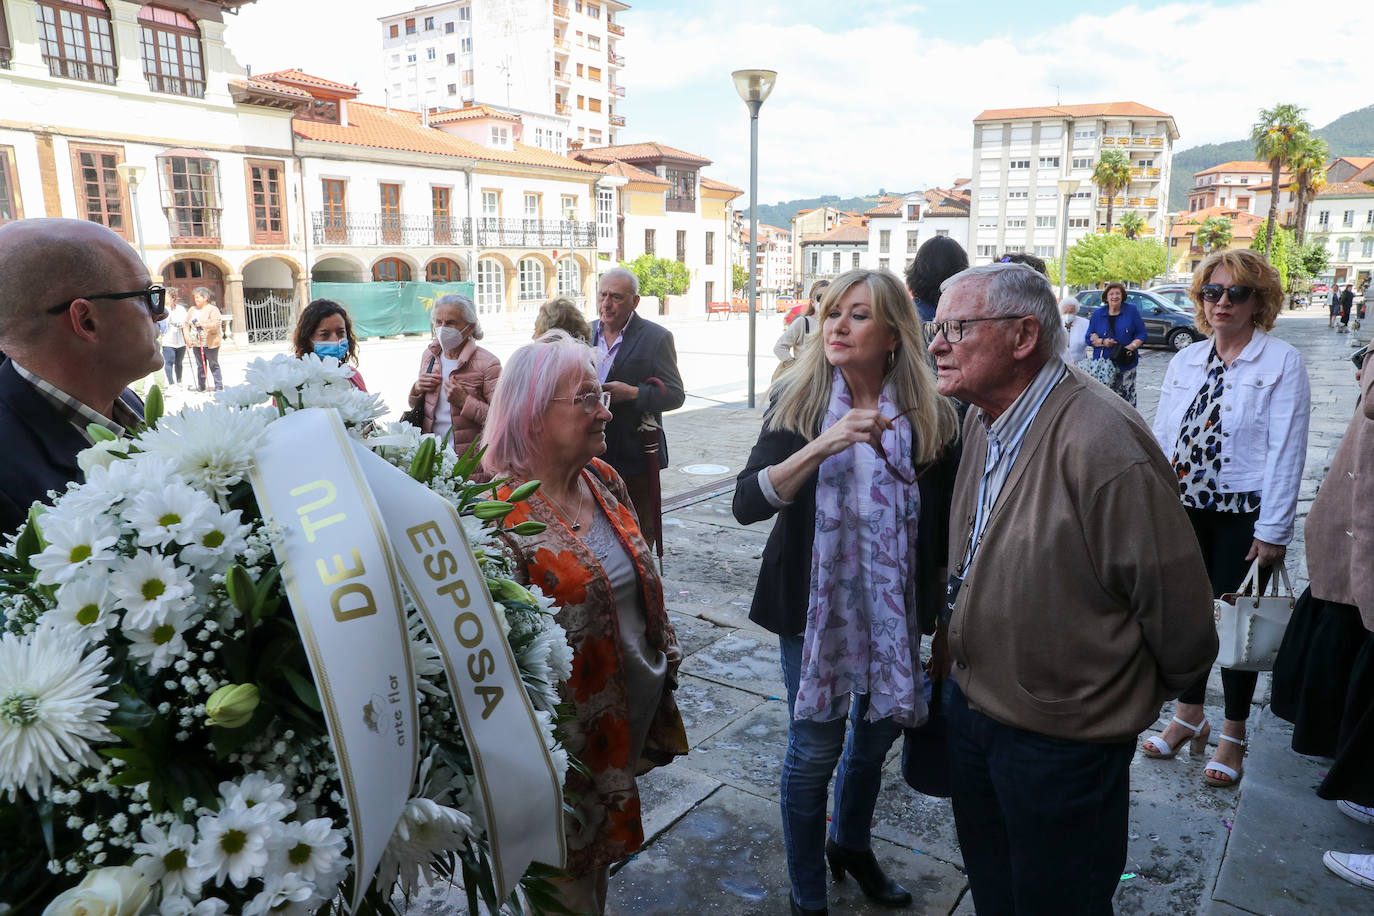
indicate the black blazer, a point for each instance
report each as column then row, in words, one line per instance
column 646, row 351
column 784, row 587
column 40, row 447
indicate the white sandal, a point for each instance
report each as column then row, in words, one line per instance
column 1232, row 776
column 1157, row 748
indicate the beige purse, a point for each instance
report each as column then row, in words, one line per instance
column 1250, row 625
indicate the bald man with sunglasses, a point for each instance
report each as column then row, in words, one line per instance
column 78, row 322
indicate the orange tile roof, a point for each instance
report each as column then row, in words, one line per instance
column 1095, row 109
column 1243, row 224
column 373, row 126
column 639, row 151
column 1359, row 162
column 633, row 173
column 712, row 184
column 886, row 206
column 1238, row 165
column 305, row 79
column 472, row 113
column 845, row 232
column 1346, row 189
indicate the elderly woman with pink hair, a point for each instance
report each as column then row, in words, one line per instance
column 547, row 422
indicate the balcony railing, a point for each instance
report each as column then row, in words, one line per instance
column 614, row 59
column 618, row 91
column 561, row 76
column 376, row 229
column 175, row 85
column 617, row 120
column 81, row 70
column 561, row 108
column 561, row 43
column 680, row 204
column 616, row 29
column 561, row 10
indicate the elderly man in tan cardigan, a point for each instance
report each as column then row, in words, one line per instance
column 1078, row 600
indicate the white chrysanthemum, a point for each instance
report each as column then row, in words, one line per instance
column 391, row 440
column 313, row 850
column 233, row 843
column 162, row 642
column 255, row 791
column 425, row 659
column 50, row 707
column 278, row 375
column 176, row 512
column 178, row 905
column 210, row 446
column 425, row 831
column 556, row 752
column 547, row 661
column 355, row 407
column 76, row 546
column 102, row 454
column 85, row 605
column 217, row 547
column 285, row 894
column 148, row 587
column 165, row 857
column 120, row 481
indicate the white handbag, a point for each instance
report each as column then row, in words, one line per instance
column 1250, row 625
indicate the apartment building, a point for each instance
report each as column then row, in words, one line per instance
column 826, row 256
column 1231, row 185
column 1185, row 254
column 772, row 258
column 809, row 223
column 653, row 199
column 898, row 226
column 1020, row 154
column 554, row 63
column 1341, row 217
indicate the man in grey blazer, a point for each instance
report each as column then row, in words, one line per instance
column 638, row 366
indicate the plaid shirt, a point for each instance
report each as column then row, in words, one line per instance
column 77, row 413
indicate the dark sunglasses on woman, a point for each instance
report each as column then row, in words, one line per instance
column 1211, row 292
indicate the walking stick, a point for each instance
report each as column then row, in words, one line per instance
column 650, row 437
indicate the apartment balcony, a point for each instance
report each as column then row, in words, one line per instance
column 372, row 230
column 561, row 44
column 616, row 29
column 561, row 108
column 561, row 77
column 616, row 120
column 614, row 59
column 561, row 11
column 1145, row 174
column 618, row 91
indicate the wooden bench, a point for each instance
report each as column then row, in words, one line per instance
column 717, row 308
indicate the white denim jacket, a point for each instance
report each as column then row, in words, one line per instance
column 1265, row 408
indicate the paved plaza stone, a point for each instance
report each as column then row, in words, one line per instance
column 712, row 819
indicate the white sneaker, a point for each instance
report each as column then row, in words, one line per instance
column 1353, row 867
column 1361, row 813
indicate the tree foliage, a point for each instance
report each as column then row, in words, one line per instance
column 1132, row 224
column 1136, row 261
column 1111, row 174
column 1095, row 259
column 1279, row 137
column 1296, row 263
column 1213, row 234
column 1309, row 176
column 659, row 277
column 739, row 277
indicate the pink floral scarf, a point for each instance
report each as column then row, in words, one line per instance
column 862, row 632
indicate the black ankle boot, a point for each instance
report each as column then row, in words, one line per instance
column 799, row 910
column 867, row 872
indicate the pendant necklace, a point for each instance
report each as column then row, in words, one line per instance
column 576, row 524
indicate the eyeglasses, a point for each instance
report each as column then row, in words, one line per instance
column 588, row 400
column 154, row 300
column 1237, row 295
column 953, row 328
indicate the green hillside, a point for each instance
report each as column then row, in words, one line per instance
column 780, row 214
column 1351, row 134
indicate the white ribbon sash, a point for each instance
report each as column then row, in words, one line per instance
column 417, row 534
column 337, row 573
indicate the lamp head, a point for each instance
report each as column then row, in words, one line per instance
column 132, row 174
column 1068, row 185
column 754, row 85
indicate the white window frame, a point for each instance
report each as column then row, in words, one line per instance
column 491, row 285
column 530, row 280
column 568, row 277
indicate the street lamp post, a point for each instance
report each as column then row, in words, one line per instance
column 133, row 175
column 753, row 86
column 1067, row 187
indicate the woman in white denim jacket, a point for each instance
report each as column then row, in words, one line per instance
column 1232, row 418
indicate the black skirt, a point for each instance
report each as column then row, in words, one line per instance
column 1323, row 683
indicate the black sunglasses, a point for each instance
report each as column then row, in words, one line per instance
column 154, row 300
column 1238, row 295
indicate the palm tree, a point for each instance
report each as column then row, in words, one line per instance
column 1132, row 224
column 1111, row 174
column 1278, row 136
column 1309, row 177
column 1214, row 233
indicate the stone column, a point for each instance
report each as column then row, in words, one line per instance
column 127, row 45
column 233, row 301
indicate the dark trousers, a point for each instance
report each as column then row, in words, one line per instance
column 171, row 363
column 641, row 496
column 206, row 359
column 1225, row 539
column 1042, row 821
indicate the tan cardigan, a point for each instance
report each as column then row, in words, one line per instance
column 477, row 373
column 1087, row 604
column 1340, row 530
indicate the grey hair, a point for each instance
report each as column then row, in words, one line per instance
column 624, row 274
column 466, row 310
column 1014, row 290
column 206, row 292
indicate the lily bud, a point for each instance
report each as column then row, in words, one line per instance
column 492, row 508
column 523, row 492
column 232, row 705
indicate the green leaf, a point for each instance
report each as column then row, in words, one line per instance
column 30, row 539
column 153, row 407
column 131, row 712
column 304, row 689
column 99, row 433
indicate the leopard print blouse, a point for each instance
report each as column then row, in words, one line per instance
column 1198, row 454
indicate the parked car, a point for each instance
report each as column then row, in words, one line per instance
column 1166, row 325
column 1176, row 294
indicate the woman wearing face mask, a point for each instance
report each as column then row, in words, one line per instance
column 325, row 330
column 457, row 377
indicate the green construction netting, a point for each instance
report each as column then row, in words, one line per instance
column 384, row 309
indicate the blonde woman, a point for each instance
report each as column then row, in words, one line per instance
column 856, row 460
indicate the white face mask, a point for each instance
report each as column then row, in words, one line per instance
column 449, row 338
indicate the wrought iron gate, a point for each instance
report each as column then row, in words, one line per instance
column 269, row 318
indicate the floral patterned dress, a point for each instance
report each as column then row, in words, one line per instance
column 1198, row 453
column 600, row 734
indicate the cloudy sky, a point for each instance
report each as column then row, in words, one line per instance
column 882, row 94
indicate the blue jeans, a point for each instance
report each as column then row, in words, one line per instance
column 812, row 751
